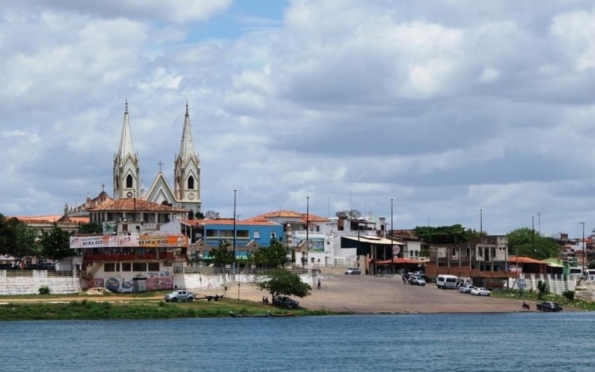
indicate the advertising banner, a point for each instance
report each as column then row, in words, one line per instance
column 162, row 241
column 130, row 241
column 90, row 241
column 159, row 283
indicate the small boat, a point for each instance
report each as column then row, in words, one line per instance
column 283, row 315
column 234, row 315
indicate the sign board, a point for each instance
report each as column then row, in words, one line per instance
column 521, row 284
column 396, row 250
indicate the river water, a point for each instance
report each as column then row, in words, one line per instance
column 527, row 342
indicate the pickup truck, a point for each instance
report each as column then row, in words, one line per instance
column 180, row 295
column 549, row 306
column 284, row 301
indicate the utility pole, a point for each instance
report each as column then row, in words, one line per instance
column 307, row 231
column 233, row 265
column 584, row 248
column 533, row 234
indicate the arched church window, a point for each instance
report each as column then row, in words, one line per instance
column 191, row 183
column 129, row 181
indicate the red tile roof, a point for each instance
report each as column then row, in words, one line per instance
column 229, row 221
column 130, row 204
column 287, row 214
column 525, row 260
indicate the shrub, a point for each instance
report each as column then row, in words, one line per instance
column 44, row 290
column 161, row 303
column 543, row 289
column 569, row 295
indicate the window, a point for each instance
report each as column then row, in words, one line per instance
column 139, row 266
column 493, row 252
column 211, row 233
column 226, row 233
column 153, row 266
column 190, row 183
column 243, row 234
column 126, row 266
column 256, row 234
column 109, row 267
column 129, row 181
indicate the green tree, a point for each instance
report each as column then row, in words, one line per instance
column 222, row 255
column 283, row 282
column 17, row 239
column 543, row 289
column 55, row 244
column 199, row 216
column 272, row 256
column 445, row 234
column 529, row 243
column 90, row 228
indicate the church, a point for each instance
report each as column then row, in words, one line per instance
column 127, row 184
column 126, row 172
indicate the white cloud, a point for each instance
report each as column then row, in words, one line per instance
column 575, row 32
column 489, row 75
column 444, row 106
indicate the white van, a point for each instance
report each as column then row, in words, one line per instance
column 447, row 281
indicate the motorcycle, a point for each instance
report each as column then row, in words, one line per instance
column 526, row 306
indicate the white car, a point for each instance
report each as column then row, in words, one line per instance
column 416, row 280
column 466, row 288
column 480, row 292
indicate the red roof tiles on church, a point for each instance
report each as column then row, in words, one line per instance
column 139, row 205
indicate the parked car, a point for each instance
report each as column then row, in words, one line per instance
column 284, row 301
column 35, row 267
column 180, row 295
column 47, row 265
column 480, row 292
column 416, row 280
column 466, row 288
column 353, row 271
column 549, row 306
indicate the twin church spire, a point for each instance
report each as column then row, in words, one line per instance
column 186, row 191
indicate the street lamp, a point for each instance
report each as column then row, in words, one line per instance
column 307, row 230
column 533, row 235
column 391, row 231
column 234, row 234
column 584, row 247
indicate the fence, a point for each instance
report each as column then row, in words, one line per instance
column 36, row 273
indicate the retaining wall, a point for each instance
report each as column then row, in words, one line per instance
column 30, row 284
column 558, row 283
column 219, row 281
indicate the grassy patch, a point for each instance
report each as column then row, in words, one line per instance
column 89, row 309
column 576, row 303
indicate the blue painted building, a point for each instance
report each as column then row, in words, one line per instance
column 213, row 232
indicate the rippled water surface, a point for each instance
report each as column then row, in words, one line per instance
column 527, row 342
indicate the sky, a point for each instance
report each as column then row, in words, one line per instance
column 470, row 112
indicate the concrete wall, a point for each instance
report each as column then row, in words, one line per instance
column 25, row 285
column 219, row 281
column 558, row 283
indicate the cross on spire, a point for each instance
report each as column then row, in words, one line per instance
column 160, row 164
column 102, row 187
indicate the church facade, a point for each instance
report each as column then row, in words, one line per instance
column 184, row 194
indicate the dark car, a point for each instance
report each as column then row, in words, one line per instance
column 284, row 301
column 549, row 306
column 353, row 271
